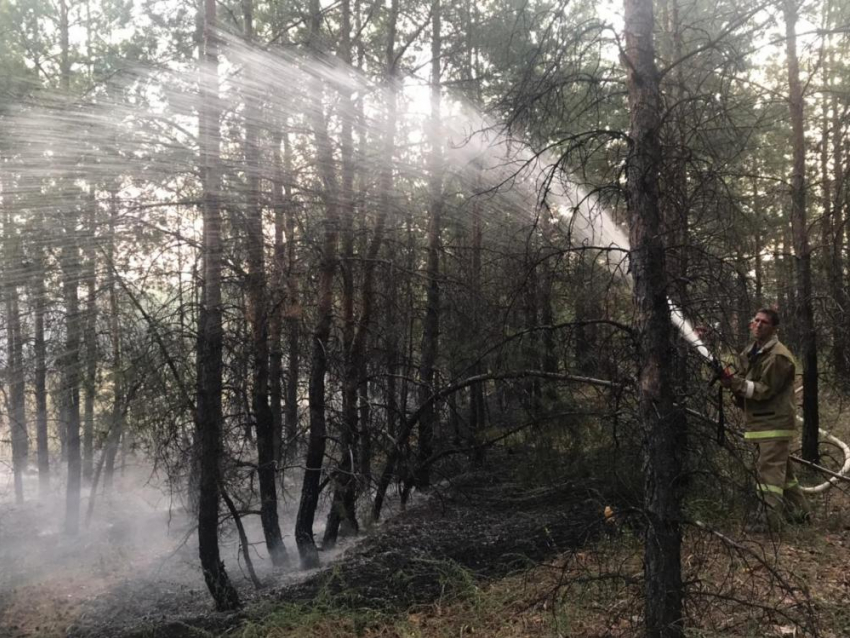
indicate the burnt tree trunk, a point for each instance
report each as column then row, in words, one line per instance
column 277, row 297
column 39, row 301
column 284, row 319
column 659, row 414
column 258, row 312
column 116, row 423
column 835, row 248
column 89, row 337
column 70, row 366
column 805, row 307
column 316, row 442
column 344, row 493
column 16, row 396
column 431, row 322
column 293, row 313
column 69, row 361
column 208, row 415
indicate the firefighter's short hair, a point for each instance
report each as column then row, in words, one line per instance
column 770, row 312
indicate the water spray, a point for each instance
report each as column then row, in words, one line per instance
column 594, row 226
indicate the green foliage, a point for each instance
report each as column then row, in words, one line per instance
column 307, row 620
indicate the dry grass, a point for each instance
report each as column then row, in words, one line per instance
column 743, row 586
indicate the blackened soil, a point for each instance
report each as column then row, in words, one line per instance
column 487, row 531
column 477, row 529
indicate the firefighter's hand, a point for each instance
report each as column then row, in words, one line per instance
column 726, row 378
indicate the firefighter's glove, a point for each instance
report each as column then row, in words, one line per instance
column 735, row 383
column 730, row 380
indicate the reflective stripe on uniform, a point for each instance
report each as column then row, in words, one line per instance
column 764, row 487
column 769, row 434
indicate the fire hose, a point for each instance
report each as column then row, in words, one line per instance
column 834, row 477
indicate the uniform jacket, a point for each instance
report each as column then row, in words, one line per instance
column 765, row 384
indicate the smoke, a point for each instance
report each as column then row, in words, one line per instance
column 132, row 146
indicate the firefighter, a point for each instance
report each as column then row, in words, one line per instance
column 764, row 387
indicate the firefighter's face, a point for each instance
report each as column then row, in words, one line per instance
column 762, row 327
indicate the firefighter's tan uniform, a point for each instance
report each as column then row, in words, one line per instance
column 765, row 385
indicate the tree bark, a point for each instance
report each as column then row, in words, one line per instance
column 116, row 424
column 344, row 496
column 314, row 457
column 89, row 338
column 431, row 322
column 69, row 360
column 285, row 309
column 277, row 297
column 833, row 179
column 208, row 415
column 258, row 312
column 70, row 366
column 293, row 314
column 39, row 293
column 658, row 412
column 805, row 308
column 16, row 397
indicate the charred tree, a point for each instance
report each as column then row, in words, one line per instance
column 70, row 365
column 805, row 308
column 70, row 359
column 283, row 388
column 258, row 311
column 659, row 415
column 293, row 311
column 316, row 442
column 208, row 410
column 16, row 395
column 344, row 494
column 116, row 422
column 39, row 301
column 277, row 297
column 89, row 335
column 431, row 322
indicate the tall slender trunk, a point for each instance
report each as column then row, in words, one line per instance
column 344, row 494
column 116, row 422
column 314, row 457
column 293, row 314
column 836, row 247
column 70, row 366
column 658, row 412
column 805, row 307
column 477, row 407
column 39, row 301
column 431, row 323
column 547, row 308
column 277, row 297
column 89, row 337
column 285, row 313
column 477, row 411
column 16, row 396
column 259, row 310
column 837, row 283
column 786, row 282
column 758, row 246
column 70, row 359
column 674, row 204
column 531, row 312
column 208, row 416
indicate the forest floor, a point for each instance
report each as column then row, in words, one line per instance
column 124, row 577
column 478, row 567
column 483, row 556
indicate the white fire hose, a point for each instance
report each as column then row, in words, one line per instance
column 845, row 449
